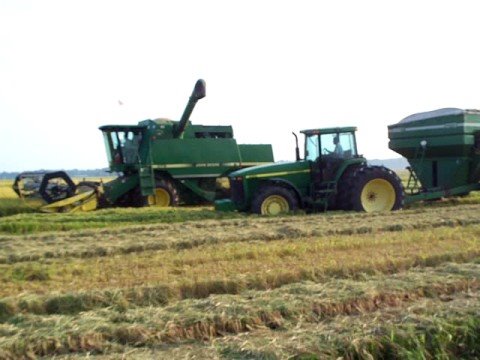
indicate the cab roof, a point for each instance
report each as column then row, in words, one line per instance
column 329, row 130
column 121, row 127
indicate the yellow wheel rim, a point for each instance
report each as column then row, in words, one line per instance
column 378, row 195
column 274, row 205
column 161, row 198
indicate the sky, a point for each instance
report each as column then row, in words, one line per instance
column 271, row 67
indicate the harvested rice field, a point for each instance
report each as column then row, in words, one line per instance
column 189, row 283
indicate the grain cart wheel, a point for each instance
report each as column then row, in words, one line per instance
column 376, row 189
column 274, row 200
column 165, row 194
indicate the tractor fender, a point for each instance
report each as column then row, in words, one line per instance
column 287, row 184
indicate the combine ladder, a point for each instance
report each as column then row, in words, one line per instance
column 147, row 180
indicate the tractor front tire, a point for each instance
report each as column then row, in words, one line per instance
column 376, row 189
column 274, row 200
column 165, row 194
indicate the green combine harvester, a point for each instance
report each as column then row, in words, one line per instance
column 442, row 147
column 160, row 163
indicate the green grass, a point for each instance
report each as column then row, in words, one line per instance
column 17, row 217
column 10, row 204
column 236, row 265
column 108, row 218
column 192, row 283
column 162, row 235
column 14, row 206
column 367, row 316
column 28, row 221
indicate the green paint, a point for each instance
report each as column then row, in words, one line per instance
column 443, row 149
column 306, row 178
column 178, row 151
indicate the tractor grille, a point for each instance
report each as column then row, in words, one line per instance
column 236, row 190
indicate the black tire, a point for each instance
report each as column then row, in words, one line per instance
column 132, row 198
column 273, row 200
column 372, row 189
column 345, row 184
column 166, row 193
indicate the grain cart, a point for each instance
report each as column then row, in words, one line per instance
column 332, row 175
column 160, row 162
column 443, row 150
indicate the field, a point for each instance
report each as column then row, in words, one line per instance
column 191, row 283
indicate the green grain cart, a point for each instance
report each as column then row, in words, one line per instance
column 159, row 162
column 443, row 150
column 442, row 147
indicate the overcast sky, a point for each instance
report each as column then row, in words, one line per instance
column 271, row 67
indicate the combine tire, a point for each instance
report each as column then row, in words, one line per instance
column 374, row 189
column 165, row 194
column 132, row 198
column 274, row 200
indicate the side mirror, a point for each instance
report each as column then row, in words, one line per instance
column 199, row 91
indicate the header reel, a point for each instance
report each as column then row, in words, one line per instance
column 56, row 191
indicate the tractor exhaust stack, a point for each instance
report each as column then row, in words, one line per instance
column 297, row 150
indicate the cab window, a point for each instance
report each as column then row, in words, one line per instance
column 122, row 146
column 339, row 145
column 311, row 147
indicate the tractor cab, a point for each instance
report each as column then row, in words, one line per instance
column 327, row 150
column 330, row 143
column 122, row 145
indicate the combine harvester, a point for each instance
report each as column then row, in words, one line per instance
column 442, row 147
column 160, row 162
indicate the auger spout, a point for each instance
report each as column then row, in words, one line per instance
column 199, row 92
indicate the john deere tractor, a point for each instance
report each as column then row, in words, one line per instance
column 332, row 175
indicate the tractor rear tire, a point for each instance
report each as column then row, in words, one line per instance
column 274, row 200
column 165, row 194
column 345, row 184
column 374, row 189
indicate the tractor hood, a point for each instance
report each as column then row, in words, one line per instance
column 273, row 170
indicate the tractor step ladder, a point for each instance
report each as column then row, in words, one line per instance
column 147, row 180
column 324, row 193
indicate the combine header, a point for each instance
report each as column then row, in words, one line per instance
column 160, row 162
